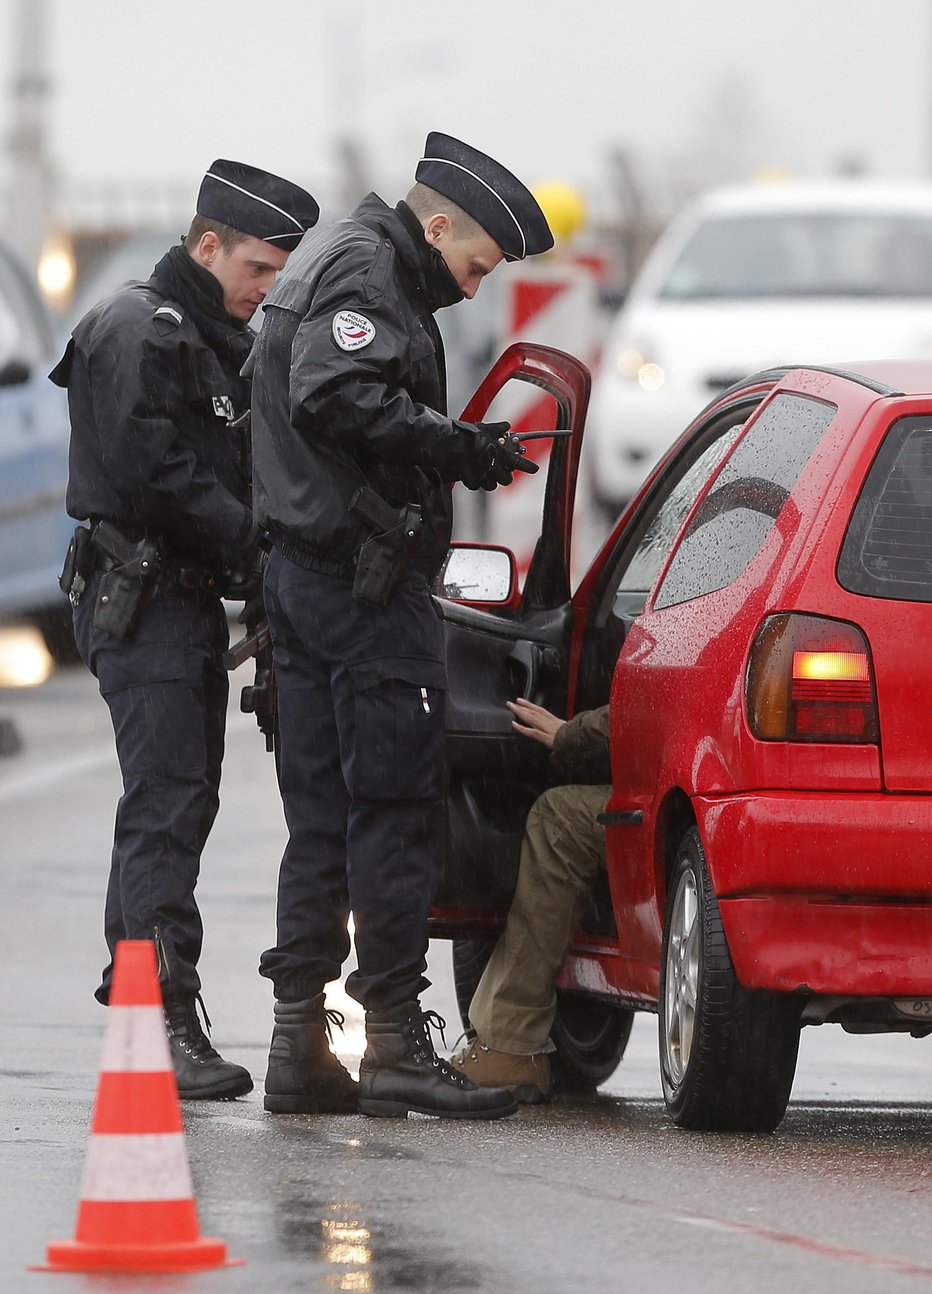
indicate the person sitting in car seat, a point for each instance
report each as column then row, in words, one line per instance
column 512, row 1010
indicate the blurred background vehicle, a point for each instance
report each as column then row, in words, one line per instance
column 131, row 260
column 34, row 527
column 752, row 277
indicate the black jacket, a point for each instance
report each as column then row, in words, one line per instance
column 151, row 449
column 337, row 406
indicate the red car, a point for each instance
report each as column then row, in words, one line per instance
column 760, row 620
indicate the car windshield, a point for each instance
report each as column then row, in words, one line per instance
column 869, row 254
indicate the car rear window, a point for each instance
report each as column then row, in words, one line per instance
column 734, row 519
column 887, row 551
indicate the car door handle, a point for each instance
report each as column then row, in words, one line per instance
column 528, row 665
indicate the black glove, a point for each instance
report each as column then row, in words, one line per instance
column 253, row 610
column 508, row 456
column 245, row 580
column 478, row 474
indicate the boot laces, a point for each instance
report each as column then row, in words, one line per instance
column 188, row 1032
column 419, row 1030
column 333, row 1020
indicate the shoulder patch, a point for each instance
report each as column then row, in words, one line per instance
column 171, row 313
column 351, row 330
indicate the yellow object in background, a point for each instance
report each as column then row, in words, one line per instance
column 564, row 206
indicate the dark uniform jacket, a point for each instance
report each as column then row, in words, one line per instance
column 349, row 389
column 151, row 449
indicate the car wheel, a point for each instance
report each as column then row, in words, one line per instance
column 727, row 1053
column 590, row 1035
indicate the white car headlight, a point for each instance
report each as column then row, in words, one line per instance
column 634, row 365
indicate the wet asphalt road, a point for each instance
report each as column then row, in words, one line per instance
column 577, row 1196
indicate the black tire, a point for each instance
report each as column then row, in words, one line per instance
column 727, row 1053
column 590, row 1035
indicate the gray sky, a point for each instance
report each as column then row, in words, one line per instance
column 158, row 88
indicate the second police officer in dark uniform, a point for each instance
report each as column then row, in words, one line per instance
column 353, row 456
column 159, row 470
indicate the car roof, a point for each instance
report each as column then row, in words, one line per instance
column 815, row 196
column 887, row 377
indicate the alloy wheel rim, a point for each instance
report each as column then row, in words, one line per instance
column 682, row 978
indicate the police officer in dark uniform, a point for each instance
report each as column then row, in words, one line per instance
column 159, row 469
column 353, row 454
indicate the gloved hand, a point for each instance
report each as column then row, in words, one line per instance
column 511, row 457
column 253, row 610
column 506, row 456
column 245, row 580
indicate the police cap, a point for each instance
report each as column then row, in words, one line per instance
column 496, row 199
column 256, row 202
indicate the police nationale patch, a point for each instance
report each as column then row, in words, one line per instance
column 352, row 331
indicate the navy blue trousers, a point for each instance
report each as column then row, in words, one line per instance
column 361, row 771
column 167, row 692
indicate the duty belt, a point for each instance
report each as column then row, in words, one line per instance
column 173, row 576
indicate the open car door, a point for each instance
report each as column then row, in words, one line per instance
column 511, row 643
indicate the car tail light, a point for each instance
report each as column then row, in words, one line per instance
column 810, row 679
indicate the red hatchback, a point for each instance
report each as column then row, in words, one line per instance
column 760, row 620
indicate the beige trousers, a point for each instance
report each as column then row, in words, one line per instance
column 563, row 848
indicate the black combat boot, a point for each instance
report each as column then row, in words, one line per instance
column 200, row 1072
column 401, row 1072
column 304, row 1076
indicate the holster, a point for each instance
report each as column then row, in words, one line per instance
column 384, row 557
column 131, row 573
column 79, row 563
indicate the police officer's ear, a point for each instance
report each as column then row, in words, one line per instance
column 436, row 226
column 208, row 248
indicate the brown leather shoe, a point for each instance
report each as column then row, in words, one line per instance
column 527, row 1077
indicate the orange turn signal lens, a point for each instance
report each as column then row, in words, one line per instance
column 809, row 679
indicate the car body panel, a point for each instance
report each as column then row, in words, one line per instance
column 804, row 945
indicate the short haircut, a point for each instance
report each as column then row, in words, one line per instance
column 425, row 201
column 201, row 225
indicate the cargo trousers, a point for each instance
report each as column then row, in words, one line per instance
column 167, row 692
column 514, row 1005
column 360, row 762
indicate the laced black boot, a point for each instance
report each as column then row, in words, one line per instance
column 401, row 1072
column 200, row 1071
column 304, row 1076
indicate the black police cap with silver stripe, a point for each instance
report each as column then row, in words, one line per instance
column 256, row 202
column 496, row 199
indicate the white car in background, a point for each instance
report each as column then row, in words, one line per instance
column 749, row 278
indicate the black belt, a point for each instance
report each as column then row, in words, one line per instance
column 173, row 577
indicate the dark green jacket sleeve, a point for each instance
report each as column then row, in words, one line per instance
column 580, row 748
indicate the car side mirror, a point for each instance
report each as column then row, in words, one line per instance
column 478, row 573
column 14, row 372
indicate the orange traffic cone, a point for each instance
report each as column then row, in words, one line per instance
column 136, row 1211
